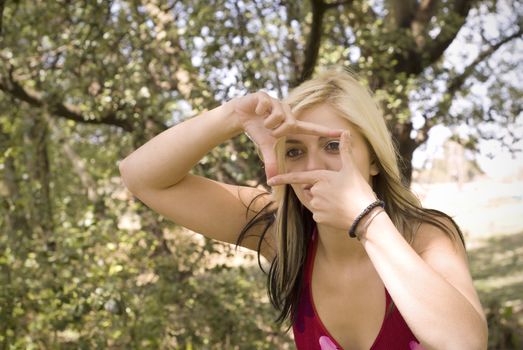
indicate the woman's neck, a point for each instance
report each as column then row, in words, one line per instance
column 338, row 248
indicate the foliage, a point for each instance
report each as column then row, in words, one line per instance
column 83, row 265
column 505, row 327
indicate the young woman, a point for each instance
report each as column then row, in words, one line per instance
column 356, row 262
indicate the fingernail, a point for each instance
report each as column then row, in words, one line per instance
column 271, row 182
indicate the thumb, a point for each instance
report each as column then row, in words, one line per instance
column 270, row 162
column 346, row 148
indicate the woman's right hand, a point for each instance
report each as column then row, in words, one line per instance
column 265, row 119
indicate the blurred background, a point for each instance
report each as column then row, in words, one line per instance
column 84, row 265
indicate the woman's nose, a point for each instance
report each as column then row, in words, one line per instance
column 314, row 162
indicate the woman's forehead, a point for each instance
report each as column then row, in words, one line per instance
column 325, row 115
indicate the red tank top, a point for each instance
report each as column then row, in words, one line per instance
column 311, row 334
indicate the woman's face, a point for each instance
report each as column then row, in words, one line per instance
column 308, row 152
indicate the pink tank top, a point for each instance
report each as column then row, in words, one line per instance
column 311, row 334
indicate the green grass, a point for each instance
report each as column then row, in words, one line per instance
column 497, row 269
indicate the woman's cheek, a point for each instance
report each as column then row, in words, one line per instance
column 335, row 164
column 302, row 195
column 292, row 166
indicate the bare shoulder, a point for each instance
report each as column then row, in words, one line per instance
column 446, row 236
column 442, row 249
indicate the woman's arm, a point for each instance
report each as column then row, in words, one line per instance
column 158, row 174
column 430, row 284
column 167, row 158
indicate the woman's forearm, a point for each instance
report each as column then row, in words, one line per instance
column 440, row 316
column 168, row 157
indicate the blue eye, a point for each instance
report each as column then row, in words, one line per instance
column 293, row 153
column 333, row 146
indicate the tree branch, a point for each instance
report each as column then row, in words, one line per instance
column 448, row 32
column 12, row 86
column 312, row 48
column 338, row 3
column 403, row 11
column 414, row 60
column 458, row 81
column 2, row 6
column 293, row 13
column 425, row 11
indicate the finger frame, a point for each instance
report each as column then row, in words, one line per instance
column 264, row 105
column 276, row 118
column 290, row 127
column 345, row 141
column 346, row 148
column 303, row 177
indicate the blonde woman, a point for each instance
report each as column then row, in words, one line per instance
column 356, row 262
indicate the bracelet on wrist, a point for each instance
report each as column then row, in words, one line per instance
column 375, row 212
column 365, row 212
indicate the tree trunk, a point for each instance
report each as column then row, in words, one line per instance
column 38, row 167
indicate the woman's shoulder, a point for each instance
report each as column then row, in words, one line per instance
column 439, row 229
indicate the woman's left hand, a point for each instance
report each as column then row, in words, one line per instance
column 338, row 197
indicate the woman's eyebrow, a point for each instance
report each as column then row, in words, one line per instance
column 320, row 140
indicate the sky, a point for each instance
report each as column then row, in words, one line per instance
column 495, row 159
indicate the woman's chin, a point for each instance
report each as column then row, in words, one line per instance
column 305, row 198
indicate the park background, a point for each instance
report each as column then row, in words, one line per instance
column 84, row 265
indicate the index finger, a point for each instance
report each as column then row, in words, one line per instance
column 303, row 177
column 270, row 162
column 307, row 128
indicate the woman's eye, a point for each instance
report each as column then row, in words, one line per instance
column 333, row 146
column 293, row 153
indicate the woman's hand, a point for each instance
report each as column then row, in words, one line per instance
column 338, row 197
column 264, row 119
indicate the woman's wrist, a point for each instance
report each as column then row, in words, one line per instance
column 227, row 112
column 364, row 216
column 367, row 220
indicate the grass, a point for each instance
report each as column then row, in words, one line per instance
column 496, row 264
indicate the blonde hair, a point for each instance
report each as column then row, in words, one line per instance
column 342, row 91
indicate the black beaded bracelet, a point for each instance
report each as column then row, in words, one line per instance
column 376, row 203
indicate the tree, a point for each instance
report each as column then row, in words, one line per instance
column 84, row 82
column 187, row 49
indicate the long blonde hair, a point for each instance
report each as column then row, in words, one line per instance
column 293, row 223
